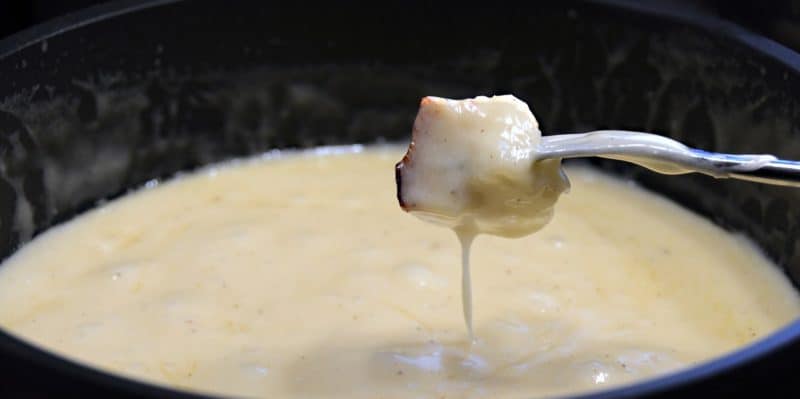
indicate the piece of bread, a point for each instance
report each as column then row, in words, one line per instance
column 471, row 166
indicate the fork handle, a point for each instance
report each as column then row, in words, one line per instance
column 779, row 172
column 667, row 156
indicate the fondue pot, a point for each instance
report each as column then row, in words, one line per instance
column 99, row 102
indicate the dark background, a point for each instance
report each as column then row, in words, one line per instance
column 16, row 15
column 777, row 19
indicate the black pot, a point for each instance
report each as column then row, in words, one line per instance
column 101, row 101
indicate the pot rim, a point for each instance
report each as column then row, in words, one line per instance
column 711, row 25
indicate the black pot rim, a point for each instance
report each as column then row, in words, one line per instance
column 756, row 43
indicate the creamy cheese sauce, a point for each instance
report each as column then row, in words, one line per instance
column 298, row 277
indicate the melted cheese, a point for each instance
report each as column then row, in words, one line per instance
column 298, row 277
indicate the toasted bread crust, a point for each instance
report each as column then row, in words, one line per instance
column 398, row 176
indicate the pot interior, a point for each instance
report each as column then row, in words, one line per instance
column 90, row 113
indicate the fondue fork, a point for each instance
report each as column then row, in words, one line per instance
column 667, row 156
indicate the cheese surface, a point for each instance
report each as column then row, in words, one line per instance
column 297, row 276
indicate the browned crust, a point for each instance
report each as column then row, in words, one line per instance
column 407, row 158
column 398, row 176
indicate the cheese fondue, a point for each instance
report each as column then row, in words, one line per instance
column 295, row 276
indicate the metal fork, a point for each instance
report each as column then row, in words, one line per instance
column 667, row 156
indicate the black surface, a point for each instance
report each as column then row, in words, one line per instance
column 776, row 19
column 91, row 112
column 16, row 15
